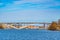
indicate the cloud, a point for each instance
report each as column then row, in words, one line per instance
column 37, row 0
column 31, row 4
column 38, row 3
column 5, row 2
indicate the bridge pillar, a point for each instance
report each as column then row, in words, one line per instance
column 44, row 24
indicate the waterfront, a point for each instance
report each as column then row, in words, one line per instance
column 31, row 25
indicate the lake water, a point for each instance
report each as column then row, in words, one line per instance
column 29, row 34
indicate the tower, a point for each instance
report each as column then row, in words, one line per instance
column 59, row 22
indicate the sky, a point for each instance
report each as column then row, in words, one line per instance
column 29, row 10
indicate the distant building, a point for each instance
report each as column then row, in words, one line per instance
column 59, row 22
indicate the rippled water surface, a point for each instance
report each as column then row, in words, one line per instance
column 13, row 34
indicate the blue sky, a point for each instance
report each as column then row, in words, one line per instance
column 29, row 10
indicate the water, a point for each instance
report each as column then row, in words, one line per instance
column 13, row 34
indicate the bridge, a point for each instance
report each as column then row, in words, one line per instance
column 23, row 23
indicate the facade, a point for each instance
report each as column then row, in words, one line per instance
column 59, row 22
